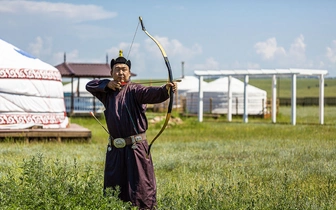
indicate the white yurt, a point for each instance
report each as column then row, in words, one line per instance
column 215, row 96
column 186, row 84
column 31, row 91
column 189, row 83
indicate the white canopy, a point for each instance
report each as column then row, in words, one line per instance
column 30, row 91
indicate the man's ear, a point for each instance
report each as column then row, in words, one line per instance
column 111, row 72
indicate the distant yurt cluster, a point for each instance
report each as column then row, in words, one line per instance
column 215, row 96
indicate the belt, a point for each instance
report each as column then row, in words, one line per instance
column 131, row 140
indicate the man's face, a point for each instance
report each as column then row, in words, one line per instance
column 120, row 72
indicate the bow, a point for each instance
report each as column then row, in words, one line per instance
column 171, row 94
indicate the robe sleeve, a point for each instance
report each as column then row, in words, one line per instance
column 98, row 88
column 151, row 95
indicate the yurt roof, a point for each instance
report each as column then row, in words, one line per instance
column 189, row 83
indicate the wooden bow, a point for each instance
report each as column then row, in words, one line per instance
column 171, row 93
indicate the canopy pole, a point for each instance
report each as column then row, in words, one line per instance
column 294, row 99
column 246, row 80
column 72, row 97
column 200, row 100
column 229, row 113
column 274, row 98
column 321, row 101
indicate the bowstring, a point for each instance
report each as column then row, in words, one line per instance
column 129, row 51
column 136, row 30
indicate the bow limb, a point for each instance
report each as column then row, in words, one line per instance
column 171, row 93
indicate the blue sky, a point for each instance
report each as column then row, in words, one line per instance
column 206, row 35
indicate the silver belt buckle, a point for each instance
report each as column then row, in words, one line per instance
column 119, row 142
column 135, row 139
column 138, row 138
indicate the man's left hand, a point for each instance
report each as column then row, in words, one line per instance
column 172, row 85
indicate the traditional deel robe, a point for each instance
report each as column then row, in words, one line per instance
column 129, row 168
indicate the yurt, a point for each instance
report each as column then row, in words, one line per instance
column 189, row 83
column 215, row 96
column 31, row 92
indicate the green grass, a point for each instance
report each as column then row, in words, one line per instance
column 305, row 87
column 209, row 165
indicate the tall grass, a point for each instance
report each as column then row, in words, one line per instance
column 209, row 165
column 45, row 184
column 284, row 168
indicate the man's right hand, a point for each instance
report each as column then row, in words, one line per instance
column 114, row 85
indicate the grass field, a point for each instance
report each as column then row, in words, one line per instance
column 306, row 87
column 209, row 165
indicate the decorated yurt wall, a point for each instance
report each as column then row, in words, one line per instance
column 31, row 91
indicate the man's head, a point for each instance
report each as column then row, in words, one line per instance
column 121, row 68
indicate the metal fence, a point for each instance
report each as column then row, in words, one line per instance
column 83, row 105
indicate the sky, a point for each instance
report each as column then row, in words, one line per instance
column 204, row 35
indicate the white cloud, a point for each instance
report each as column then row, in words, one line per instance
column 253, row 66
column 40, row 47
column 70, row 56
column 210, row 63
column 149, row 56
column 294, row 57
column 125, row 47
column 298, row 49
column 249, row 65
column 71, row 12
column 269, row 49
column 321, row 64
column 331, row 52
column 172, row 48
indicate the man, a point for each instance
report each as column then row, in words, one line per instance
column 127, row 164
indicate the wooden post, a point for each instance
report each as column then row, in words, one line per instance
column 210, row 101
column 236, row 105
column 72, row 98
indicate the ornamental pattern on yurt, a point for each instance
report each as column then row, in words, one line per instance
column 25, row 73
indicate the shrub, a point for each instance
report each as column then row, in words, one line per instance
column 56, row 185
